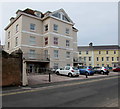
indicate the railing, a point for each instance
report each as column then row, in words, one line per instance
column 39, row 57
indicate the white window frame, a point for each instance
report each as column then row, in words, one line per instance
column 32, row 54
column 17, row 28
column 80, row 52
column 87, row 52
column 32, row 27
column 85, row 59
column 46, row 41
column 97, row 58
column 67, row 43
column 55, row 27
column 8, row 34
column 56, row 66
column 107, row 58
column 55, row 41
column 67, row 54
column 56, row 52
column 32, row 40
column 112, row 58
column 46, row 28
column 67, row 31
column 8, row 45
column 90, row 58
column 16, row 41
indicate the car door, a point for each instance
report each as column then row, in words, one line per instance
column 66, row 70
column 62, row 70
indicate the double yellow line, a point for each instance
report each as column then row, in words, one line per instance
column 54, row 86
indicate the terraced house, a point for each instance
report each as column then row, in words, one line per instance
column 47, row 39
column 106, row 55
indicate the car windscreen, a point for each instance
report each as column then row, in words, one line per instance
column 75, row 68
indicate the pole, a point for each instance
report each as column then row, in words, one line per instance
column 86, row 75
column 49, row 78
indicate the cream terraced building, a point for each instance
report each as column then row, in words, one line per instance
column 106, row 55
column 47, row 40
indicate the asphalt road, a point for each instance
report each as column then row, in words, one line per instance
column 99, row 92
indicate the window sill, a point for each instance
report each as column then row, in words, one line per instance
column 46, row 32
column 32, row 30
column 55, row 31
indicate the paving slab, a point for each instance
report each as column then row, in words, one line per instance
column 44, row 78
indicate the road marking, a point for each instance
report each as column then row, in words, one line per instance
column 55, row 86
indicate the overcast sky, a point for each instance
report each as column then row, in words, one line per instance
column 97, row 22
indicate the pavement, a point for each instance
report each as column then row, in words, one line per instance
column 42, row 80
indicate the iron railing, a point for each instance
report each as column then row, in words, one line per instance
column 40, row 57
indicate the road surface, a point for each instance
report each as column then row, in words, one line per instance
column 96, row 92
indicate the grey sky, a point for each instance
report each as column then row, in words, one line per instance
column 97, row 22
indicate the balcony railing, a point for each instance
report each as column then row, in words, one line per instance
column 39, row 57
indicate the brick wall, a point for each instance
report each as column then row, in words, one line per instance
column 11, row 69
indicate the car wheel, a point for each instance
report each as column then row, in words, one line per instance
column 69, row 74
column 102, row 72
column 57, row 73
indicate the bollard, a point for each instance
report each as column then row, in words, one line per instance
column 86, row 75
column 49, row 78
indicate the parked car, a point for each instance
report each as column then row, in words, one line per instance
column 117, row 69
column 68, row 70
column 86, row 70
column 101, row 70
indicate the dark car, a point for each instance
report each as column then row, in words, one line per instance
column 116, row 69
column 86, row 70
column 101, row 70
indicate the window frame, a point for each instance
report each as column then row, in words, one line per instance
column 87, row 52
column 16, row 41
column 107, row 52
column 55, row 27
column 46, row 27
column 107, row 58
column 31, row 54
column 32, row 26
column 67, row 54
column 46, row 40
column 56, row 53
column 112, row 58
column 67, row 43
column 102, row 58
column 55, row 40
column 16, row 28
column 32, row 42
column 90, row 58
column 8, row 45
column 9, row 34
column 67, row 31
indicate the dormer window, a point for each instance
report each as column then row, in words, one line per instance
column 61, row 16
column 65, row 18
column 58, row 15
